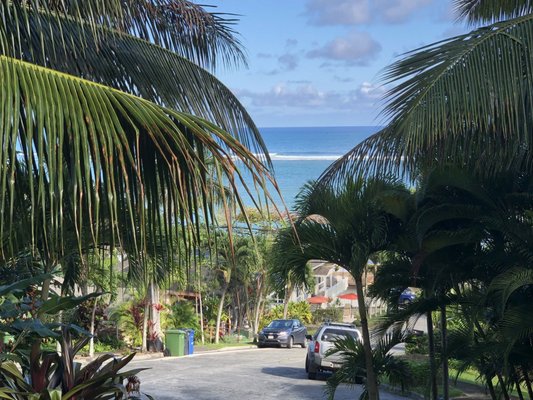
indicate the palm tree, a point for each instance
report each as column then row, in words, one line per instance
column 463, row 100
column 353, row 368
column 114, row 119
column 288, row 272
column 466, row 249
column 347, row 227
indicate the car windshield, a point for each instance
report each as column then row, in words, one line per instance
column 331, row 334
column 279, row 324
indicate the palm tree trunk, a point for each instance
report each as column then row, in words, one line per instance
column 238, row 315
column 91, row 329
column 432, row 361
column 518, row 389
column 371, row 378
column 219, row 314
column 444, row 355
column 257, row 312
column 288, row 291
column 155, row 316
column 527, row 381
column 144, row 345
column 491, row 387
column 201, row 317
column 501, row 381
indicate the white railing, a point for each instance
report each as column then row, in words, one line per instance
column 338, row 288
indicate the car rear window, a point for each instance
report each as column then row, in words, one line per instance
column 332, row 334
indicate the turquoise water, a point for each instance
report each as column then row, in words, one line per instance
column 302, row 154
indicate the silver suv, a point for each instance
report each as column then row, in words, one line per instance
column 323, row 340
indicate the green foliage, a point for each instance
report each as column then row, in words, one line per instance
column 353, row 367
column 417, row 344
column 104, row 346
column 182, row 315
column 129, row 316
column 56, row 375
column 29, row 369
column 299, row 310
column 321, row 315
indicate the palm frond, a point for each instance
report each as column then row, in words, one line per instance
column 179, row 25
column 114, row 158
column 489, row 11
column 504, row 285
column 463, row 100
column 129, row 64
column 353, row 370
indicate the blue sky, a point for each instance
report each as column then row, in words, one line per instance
column 318, row 62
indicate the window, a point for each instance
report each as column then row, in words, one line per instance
column 332, row 334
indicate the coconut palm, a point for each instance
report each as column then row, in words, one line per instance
column 463, row 100
column 346, row 227
column 110, row 112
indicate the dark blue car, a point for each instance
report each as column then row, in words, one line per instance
column 407, row 296
column 283, row 332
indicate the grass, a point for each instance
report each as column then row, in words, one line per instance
column 471, row 376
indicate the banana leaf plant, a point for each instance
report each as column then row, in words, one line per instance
column 29, row 372
column 54, row 375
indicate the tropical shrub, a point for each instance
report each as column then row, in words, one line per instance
column 30, row 369
column 299, row 310
column 353, row 367
column 129, row 316
column 321, row 315
column 182, row 315
column 417, row 344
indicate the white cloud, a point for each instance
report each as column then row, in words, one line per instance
column 357, row 12
column 395, row 11
column 288, row 61
column 357, row 48
column 338, row 12
column 292, row 95
column 291, row 42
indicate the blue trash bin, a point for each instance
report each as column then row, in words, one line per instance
column 190, row 336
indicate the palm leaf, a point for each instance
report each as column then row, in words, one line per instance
column 105, row 156
column 129, row 64
column 178, row 25
column 463, row 100
column 491, row 10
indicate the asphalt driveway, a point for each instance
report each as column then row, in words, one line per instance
column 269, row 373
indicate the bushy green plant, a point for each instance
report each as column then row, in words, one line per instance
column 30, row 368
column 182, row 315
column 353, row 366
column 417, row 344
column 129, row 316
column 321, row 315
column 298, row 310
column 55, row 375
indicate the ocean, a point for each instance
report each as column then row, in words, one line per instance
column 302, row 154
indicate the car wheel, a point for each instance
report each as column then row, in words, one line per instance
column 304, row 344
column 290, row 343
column 260, row 345
column 311, row 375
column 307, row 364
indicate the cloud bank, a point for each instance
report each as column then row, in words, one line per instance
column 358, row 12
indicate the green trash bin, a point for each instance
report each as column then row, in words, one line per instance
column 175, row 342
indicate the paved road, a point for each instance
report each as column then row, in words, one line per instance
column 239, row 374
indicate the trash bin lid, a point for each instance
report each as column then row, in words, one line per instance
column 173, row 331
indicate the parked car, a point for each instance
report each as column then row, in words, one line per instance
column 283, row 332
column 324, row 340
column 407, row 296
